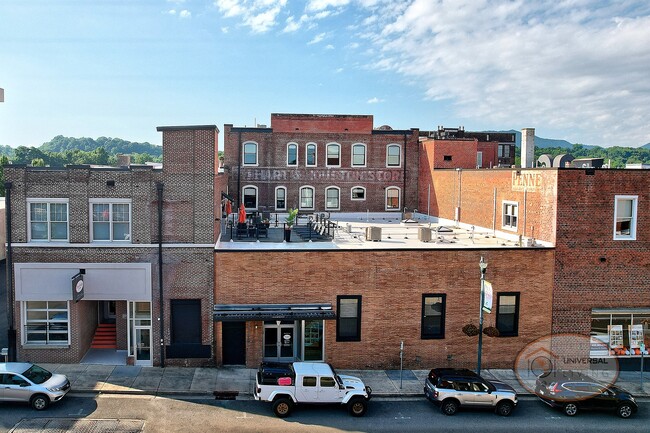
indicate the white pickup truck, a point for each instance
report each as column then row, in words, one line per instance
column 286, row 385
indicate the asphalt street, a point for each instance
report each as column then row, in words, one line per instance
column 130, row 413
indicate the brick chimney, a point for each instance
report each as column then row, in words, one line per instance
column 528, row 148
column 123, row 160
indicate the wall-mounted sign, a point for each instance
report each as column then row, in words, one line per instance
column 78, row 287
column 526, row 180
column 487, row 297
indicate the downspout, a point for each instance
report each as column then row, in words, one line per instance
column 11, row 331
column 239, row 163
column 404, row 188
column 159, row 188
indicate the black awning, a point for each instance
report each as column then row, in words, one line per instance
column 261, row 312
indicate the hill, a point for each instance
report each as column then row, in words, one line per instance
column 646, row 146
column 112, row 146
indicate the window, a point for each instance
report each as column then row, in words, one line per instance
column 48, row 220
column 327, row 382
column 625, row 217
column 479, row 159
column 249, row 193
column 280, row 198
column 45, row 322
column 332, row 198
column 333, row 155
column 311, row 155
column 309, row 381
column 348, row 323
column 292, row 154
column 508, row 314
column 359, row 155
column 393, row 155
column 433, row 316
column 306, row 197
column 358, row 193
column 510, row 210
column 111, row 220
column 620, row 332
column 392, row 198
column 446, row 157
column 250, row 153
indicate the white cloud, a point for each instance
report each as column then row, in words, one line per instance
column 320, row 5
column 316, row 39
column 374, row 100
column 185, row 14
column 338, row 71
column 329, row 47
column 178, row 2
column 172, row 12
column 225, row 29
column 259, row 15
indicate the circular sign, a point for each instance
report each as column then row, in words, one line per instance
column 80, row 286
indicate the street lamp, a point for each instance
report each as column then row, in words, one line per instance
column 483, row 266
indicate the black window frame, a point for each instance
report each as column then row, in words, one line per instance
column 357, row 336
column 515, row 332
column 441, row 334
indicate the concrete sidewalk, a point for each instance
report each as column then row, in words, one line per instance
column 231, row 381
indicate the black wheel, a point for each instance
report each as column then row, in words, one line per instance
column 357, row 406
column 40, row 402
column 624, row 410
column 282, row 407
column 449, row 407
column 571, row 409
column 504, row 408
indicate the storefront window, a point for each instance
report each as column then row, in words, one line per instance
column 621, row 333
column 313, row 337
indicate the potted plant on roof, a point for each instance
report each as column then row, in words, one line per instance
column 289, row 222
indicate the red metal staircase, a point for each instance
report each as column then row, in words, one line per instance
column 105, row 337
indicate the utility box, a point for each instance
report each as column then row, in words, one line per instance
column 373, row 234
column 424, row 234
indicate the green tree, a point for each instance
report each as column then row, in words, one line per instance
column 38, row 162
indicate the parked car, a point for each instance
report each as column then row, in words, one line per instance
column 452, row 388
column 286, row 385
column 25, row 382
column 573, row 392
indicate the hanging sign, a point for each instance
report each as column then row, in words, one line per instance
column 487, row 297
column 78, row 287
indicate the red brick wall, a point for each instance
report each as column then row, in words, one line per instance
column 391, row 284
column 323, row 123
column 592, row 269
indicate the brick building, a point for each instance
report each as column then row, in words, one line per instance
column 317, row 163
column 100, row 261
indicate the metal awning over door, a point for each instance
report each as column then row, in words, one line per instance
column 246, row 312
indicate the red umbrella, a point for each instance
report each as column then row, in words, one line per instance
column 242, row 213
column 228, row 208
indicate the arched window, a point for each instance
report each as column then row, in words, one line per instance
column 358, row 155
column 392, row 198
column 280, row 198
column 332, row 198
column 307, row 197
column 393, row 155
column 333, row 155
column 250, row 153
column 358, row 193
column 311, row 155
column 249, row 193
column 292, row 154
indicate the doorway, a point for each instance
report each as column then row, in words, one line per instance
column 107, row 312
column 140, row 332
column 233, row 343
column 280, row 340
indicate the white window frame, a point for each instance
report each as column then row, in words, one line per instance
column 297, row 154
column 257, row 196
column 364, row 193
column 338, row 190
column 399, row 198
column 479, row 159
column 48, row 202
column 327, row 162
column 110, row 202
column 315, row 164
column 388, row 147
column 313, row 198
column 277, row 188
column 504, row 206
column 243, row 156
column 633, row 218
column 47, row 310
column 365, row 155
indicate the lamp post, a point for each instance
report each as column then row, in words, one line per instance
column 483, row 266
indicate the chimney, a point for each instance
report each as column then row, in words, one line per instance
column 527, row 147
column 123, row 160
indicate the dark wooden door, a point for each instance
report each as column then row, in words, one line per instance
column 233, row 343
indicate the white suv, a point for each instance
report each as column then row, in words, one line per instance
column 452, row 388
column 29, row 383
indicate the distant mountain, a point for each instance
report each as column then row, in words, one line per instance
column 544, row 142
column 112, row 146
column 646, row 146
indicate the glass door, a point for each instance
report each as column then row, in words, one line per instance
column 313, row 340
column 140, row 332
column 280, row 340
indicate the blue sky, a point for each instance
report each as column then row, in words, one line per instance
column 573, row 69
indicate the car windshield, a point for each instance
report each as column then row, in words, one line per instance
column 37, row 374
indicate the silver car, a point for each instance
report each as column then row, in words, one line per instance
column 25, row 382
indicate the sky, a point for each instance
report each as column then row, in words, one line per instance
column 577, row 70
